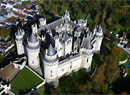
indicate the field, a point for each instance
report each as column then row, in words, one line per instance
column 24, row 81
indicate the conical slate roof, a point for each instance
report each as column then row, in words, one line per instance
column 51, row 51
column 100, row 27
column 86, row 44
column 18, row 32
column 66, row 11
column 95, row 27
column 33, row 38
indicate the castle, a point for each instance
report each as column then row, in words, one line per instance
column 59, row 48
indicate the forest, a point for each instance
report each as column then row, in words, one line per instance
column 113, row 16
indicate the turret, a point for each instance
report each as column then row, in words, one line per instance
column 95, row 29
column 65, row 44
column 50, row 61
column 82, row 22
column 19, row 41
column 33, row 49
column 34, row 28
column 42, row 22
column 98, row 38
column 66, row 14
column 86, row 51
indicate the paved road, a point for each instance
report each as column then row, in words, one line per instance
column 4, row 55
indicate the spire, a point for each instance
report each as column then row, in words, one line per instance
column 95, row 26
column 33, row 38
column 66, row 12
column 51, row 51
column 99, row 27
column 18, row 32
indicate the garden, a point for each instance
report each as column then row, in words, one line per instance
column 24, row 81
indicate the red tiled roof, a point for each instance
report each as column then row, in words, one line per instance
column 25, row 11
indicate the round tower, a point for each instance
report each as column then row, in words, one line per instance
column 19, row 42
column 86, row 51
column 98, row 38
column 50, row 61
column 33, row 49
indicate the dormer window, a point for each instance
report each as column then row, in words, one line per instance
column 68, row 41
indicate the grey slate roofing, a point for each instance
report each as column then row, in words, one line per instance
column 3, row 12
column 81, row 29
column 65, row 36
column 57, row 23
column 73, row 24
column 95, row 27
column 51, row 25
column 11, row 2
column 86, row 43
column 18, row 32
column 33, row 38
column 3, row 2
column 51, row 51
column 78, row 41
column 66, row 11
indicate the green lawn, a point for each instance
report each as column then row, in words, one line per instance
column 41, row 90
column 123, row 57
column 24, row 81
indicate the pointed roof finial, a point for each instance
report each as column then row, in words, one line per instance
column 95, row 26
column 100, row 27
column 66, row 11
column 18, row 32
column 51, row 51
column 33, row 38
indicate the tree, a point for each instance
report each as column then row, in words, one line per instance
column 104, row 15
column 114, row 41
column 89, row 84
column 112, row 60
column 4, row 32
column 108, row 21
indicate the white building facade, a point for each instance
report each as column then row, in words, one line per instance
column 64, row 47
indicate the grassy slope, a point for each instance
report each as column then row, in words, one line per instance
column 123, row 57
column 41, row 90
column 24, row 81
